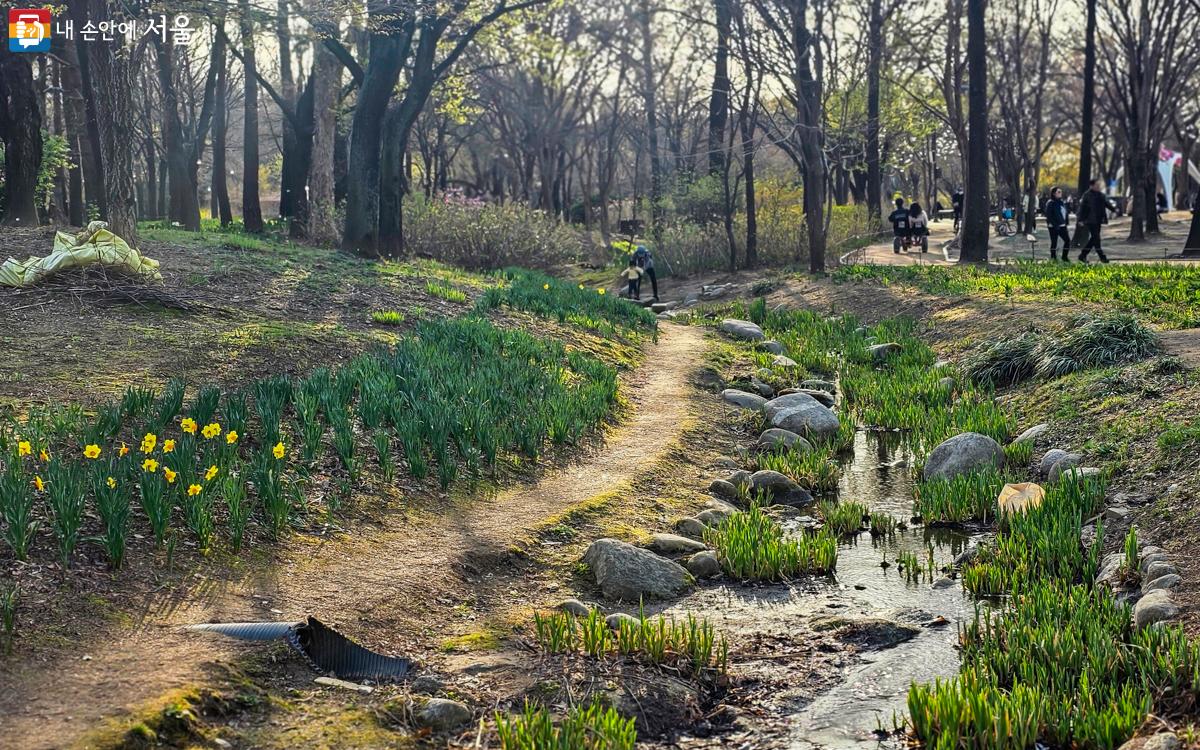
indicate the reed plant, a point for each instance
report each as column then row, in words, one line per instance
column 843, row 518
column 752, row 546
column 591, row 727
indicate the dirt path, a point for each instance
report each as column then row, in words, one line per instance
column 389, row 590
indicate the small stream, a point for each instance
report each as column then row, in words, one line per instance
column 870, row 688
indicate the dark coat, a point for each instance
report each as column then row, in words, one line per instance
column 1093, row 208
column 1056, row 213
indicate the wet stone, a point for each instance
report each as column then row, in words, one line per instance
column 443, row 714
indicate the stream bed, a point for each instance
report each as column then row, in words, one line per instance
column 853, row 693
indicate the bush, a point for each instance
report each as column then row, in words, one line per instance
column 487, row 236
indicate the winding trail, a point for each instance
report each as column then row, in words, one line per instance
column 386, row 589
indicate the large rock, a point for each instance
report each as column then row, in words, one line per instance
column 963, row 454
column 766, row 390
column 776, row 439
column 1168, row 581
column 1156, row 606
column 692, row 527
column 742, row 329
column 1052, row 457
column 1158, row 570
column 443, row 714
column 1069, row 461
column 1032, row 434
column 880, row 352
column 802, row 414
column 628, row 573
column 704, row 565
column 778, row 485
column 722, row 487
column 824, row 398
column 819, row 385
column 772, row 346
column 673, row 545
column 742, row 399
column 785, row 361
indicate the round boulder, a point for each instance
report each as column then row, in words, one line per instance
column 672, row 545
column 574, row 607
column 742, row 329
column 802, row 414
column 1032, row 434
column 963, row 454
column 742, row 399
column 1051, row 457
column 704, row 565
column 1156, row 606
column 1069, row 461
column 772, row 346
column 880, row 352
column 777, row 439
column 628, row 573
column 692, row 527
column 443, row 714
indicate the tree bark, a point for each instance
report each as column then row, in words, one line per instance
column 113, row 72
column 90, row 147
column 220, row 180
column 21, row 132
column 650, row 97
column 327, row 76
column 251, row 207
column 184, row 202
column 718, row 103
column 975, row 212
column 1089, row 117
column 388, row 48
column 1191, row 247
column 874, row 61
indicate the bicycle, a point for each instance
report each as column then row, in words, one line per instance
column 1003, row 224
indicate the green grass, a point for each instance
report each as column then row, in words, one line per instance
column 842, row 518
column 568, row 303
column 1084, row 342
column 690, row 645
column 1060, row 662
column 591, row 727
column 387, row 317
column 815, row 470
column 454, row 397
column 1164, row 293
column 960, row 499
column 752, row 547
column 446, row 292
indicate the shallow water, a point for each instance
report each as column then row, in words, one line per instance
column 871, row 689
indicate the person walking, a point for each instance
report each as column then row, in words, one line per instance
column 645, row 261
column 633, row 279
column 956, row 201
column 1093, row 213
column 1055, row 212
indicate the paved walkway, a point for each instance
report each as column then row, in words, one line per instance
column 1174, row 228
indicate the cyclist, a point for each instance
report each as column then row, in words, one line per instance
column 900, row 225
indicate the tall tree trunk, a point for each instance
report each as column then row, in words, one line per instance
column 184, row 201
column 220, row 180
column 975, row 212
column 21, row 132
column 650, row 97
column 150, row 207
column 61, row 201
column 1089, row 117
column 718, row 103
column 1136, row 172
column 808, row 90
column 874, row 61
column 327, row 77
column 388, row 48
column 90, row 147
column 292, row 174
column 113, row 68
column 1191, row 247
column 73, row 109
column 251, row 207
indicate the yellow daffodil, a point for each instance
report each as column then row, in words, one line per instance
column 170, row 475
column 168, row 446
column 91, row 450
column 148, row 442
column 231, row 437
column 188, row 425
column 581, row 286
column 212, row 472
column 112, row 483
column 278, row 449
column 37, row 482
column 210, row 431
column 193, row 490
column 124, row 449
column 24, row 448
column 150, row 465
column 545, row 286
column 601, row 291
column 44, row 455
